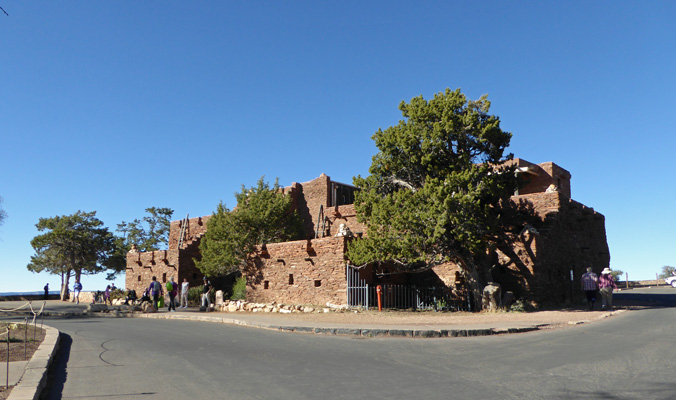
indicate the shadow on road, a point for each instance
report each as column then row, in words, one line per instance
column 58, row 372
column 661, row 390
column 644, row 300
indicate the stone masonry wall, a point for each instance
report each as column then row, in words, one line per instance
column 292, row 272
column 313, row 194
column 569, row 236
column 194, row 230
column 163, row 264
column 141, row 267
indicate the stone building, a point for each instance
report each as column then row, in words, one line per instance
column 563, row 237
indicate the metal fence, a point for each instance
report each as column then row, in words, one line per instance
column 361, row 294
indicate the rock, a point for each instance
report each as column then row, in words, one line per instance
column 219, row 297
column 232, row 307
column 148, row 307
column 492, row 297
column 97, row 307
column 336, row 306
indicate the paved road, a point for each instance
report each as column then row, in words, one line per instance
column 631, row 356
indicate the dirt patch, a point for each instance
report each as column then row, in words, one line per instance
column 23, row 342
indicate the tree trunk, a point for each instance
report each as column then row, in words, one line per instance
column 476, row 286
column 64, row 285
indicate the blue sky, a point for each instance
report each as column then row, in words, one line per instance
column 118, row 106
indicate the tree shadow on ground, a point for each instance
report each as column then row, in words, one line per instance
column 58, row 372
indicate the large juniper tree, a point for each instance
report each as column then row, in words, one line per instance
column 73, row 245
column 263, row 215
column 435, row 187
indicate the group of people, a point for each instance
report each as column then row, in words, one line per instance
column 604, row 284
column 155, row 293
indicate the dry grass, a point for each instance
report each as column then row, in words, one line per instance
column 18, row 345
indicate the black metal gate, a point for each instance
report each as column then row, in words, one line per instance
column 361, row 294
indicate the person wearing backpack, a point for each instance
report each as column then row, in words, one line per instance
column 172, row 289
column 77, row 288
column 155, row 290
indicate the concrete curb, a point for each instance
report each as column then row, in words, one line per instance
column 34, row 378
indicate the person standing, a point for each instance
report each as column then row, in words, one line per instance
column 46, row 291
column 77, row 288
column 106, row 296
column 172, row 289
column 606, row 286
column 590, row 282
column 185, row 288
column 155, row 290
column 206, row 289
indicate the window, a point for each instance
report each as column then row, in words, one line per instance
column 266, row 284
column 318, row 283
column 139, row 278
column 290, row 279
column 341, row 194
column 164, row 277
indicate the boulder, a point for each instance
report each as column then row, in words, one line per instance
column 492, row 297
column 97, row 307
column 219, row 298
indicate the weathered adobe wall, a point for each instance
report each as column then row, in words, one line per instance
column 141, row 267
column 292, row 273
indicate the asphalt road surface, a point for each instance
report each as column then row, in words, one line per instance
column 630, row 356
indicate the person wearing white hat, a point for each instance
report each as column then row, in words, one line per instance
column 606, row 286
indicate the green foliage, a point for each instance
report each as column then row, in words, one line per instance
column 435, row 186
column 667, row 271
column 263, row 215
column 617, row 274
column 148, row 234
column 239, row 289
column 77, row 243
column 117, row 293
column 195, row 295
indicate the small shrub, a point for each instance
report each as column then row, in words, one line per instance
column 239, row 289
column 521, row 305
column 195, row 295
